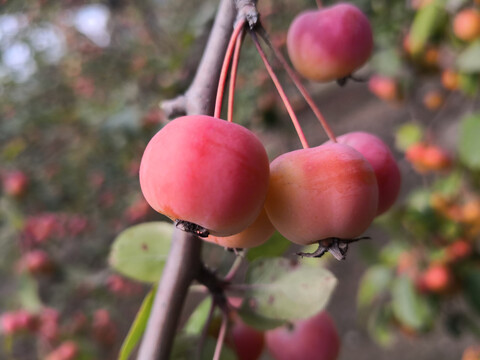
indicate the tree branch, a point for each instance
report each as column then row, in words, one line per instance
column 183, row 263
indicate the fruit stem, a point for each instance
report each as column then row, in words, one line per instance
column 233, row 270
column 225, row 66
column 280, row 90
column 221, row 337
column 233, row 75
column 298, row 83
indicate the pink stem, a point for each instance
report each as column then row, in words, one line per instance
column 233, row 76
column 298, row 83
column 281, row 92
column 224, row 72
column 221, row 337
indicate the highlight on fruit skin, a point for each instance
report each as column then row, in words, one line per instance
column 206, row 171
column 329, row 191
column 329, row 43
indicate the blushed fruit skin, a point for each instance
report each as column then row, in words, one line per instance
column 466, row 24
column 384, row 87
column 329, row 43
column 254, row 235
column 383, row 163
column 315, row 338
column 206, row 171
column 437, row 278
column 247, row 342
column 321, row 192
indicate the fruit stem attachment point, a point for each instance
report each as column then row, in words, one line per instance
column 298, row 83
column 280, row 90
column 335, row 246
column 226, row 64
column 192, row 228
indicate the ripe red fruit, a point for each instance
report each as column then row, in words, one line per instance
column 329, row 43
column 311, row 339
column 450, row 79
column 383, row 163
column 15, row 183
column 322, row 192
column 384, row 87
column 433, row 100
column 16, row 321
column 254, row 235
column 36, row 262
column 466, row 24
column 206, row 171
column 458, row 250
column 437, row 278
column 426, row 157
column 68, row 350
column 247, row 342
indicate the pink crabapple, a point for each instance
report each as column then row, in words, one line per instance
column 329, row 191
column 329, row 43
column 207, row 172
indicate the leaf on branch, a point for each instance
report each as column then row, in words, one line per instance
column 468, row 144
column 140, row 252
column 275, row 246
column 198, row 318
column 410, row 308
column 373, row 284
column 279, row 290
column 138, row 327
column 467, row 61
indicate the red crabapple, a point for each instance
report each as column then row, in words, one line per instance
column 36, row 262
column 15, row 183
column 466, row 24
column 254, row 235
column 384, row 87
column 450, row 79
column 247, row 342
column 328, row 191
column 206, row 171
column 310, row 339
column 68, row 350
column 437, row 278
column 329, row 43
column 383, row 163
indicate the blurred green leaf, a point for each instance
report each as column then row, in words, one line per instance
column 468, row 144
column 472, row 288
column 467, row 61
column 428, row 20
column 28, row 294
column 198, row 318
column 450, row 185
column 380, row 326
column 411, row 308
column 281, row 290
column 407, row 135
column 373, row 283
column 138, row 326
column 469, row 84
column 140, row 252
column 387, row 62
column 275, row 246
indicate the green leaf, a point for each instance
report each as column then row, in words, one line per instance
column 469, row 84
column 185, row 348
column 387, row 62
column 140, row 251
column 407, row 135
column 409, row 307
column 471, row 288
column 428, row 20
column 450, row 185
column 198, row 318
column 380, row 326
column 374, row 282
column 275, row 246
column 138, row 327
column 279, row 290
column 468, row 144
column 28, row 294
column 467, row 61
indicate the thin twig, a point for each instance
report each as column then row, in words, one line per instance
column 281, row 92
column 221, row 336
column 224, row 72
column 233, row 270
column 298, row 83
column 233, row 76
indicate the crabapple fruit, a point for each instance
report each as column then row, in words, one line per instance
column 15, row 183
column 321, row 192
column 329, row 43
column 254, row 235
column 425, row 157
column 310, row 339
column 384, row 87
column 383, row 163
column 206, row 171
column 466, row 24
column 437, row 278
column 247, row 342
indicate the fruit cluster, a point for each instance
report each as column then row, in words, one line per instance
column 213, row 177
